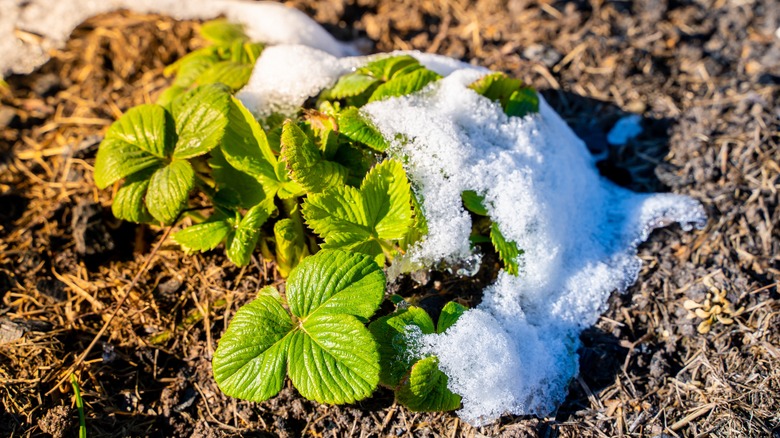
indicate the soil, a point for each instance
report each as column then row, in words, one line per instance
column 705, row 77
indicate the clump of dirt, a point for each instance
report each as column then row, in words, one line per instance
column 57, row 422
column 703, row 75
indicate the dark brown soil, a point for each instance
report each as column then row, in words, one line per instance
column 704, row 75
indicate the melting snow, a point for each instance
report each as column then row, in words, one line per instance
column 516, row 352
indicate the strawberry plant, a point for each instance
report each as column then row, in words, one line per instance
column 319, row 194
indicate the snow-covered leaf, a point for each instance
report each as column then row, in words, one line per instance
column 392, row 333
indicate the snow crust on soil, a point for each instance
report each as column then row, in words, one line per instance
column 54, row 20
column 516, row 352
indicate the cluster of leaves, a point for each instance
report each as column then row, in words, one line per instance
column 415, row 376
column 228, row 59
column 152, row 148
column 316, row 335
column 319, row 183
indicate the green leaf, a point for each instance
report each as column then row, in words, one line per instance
column 203, row 237
column 450, row 314
column 322, row 126
column 305, row 162
column 474, row 203
column 333, row 359
column 251, row 357
column 128, row 203
column 363, row 220
column 357, row 128
column 358, row 161
column 201, row 117
column 169, row 95
column 350, row 85
column 335, row 282
column 241, row 244
column 330, row 356
column 515, row 98
column 496, row 86
column 245, row 144
column 522, row 102
column 387, row 197
column 246, row 147
column 117, row 159
column 191, row 66
column 393, row 338
column 419, row 226
column 404, row 85
column 426, row 389
column 233, row 74
column 387, row 68
column 507, row 250
column 234, row 188
column 250, row 53
column 145, row 127
column 169, row 189
column 221, row 31
column 290, row 245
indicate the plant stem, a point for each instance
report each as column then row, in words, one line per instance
column 79, row 406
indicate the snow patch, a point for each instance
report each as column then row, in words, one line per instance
column 516, row 352
column 625, row 129
column 579, row 234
